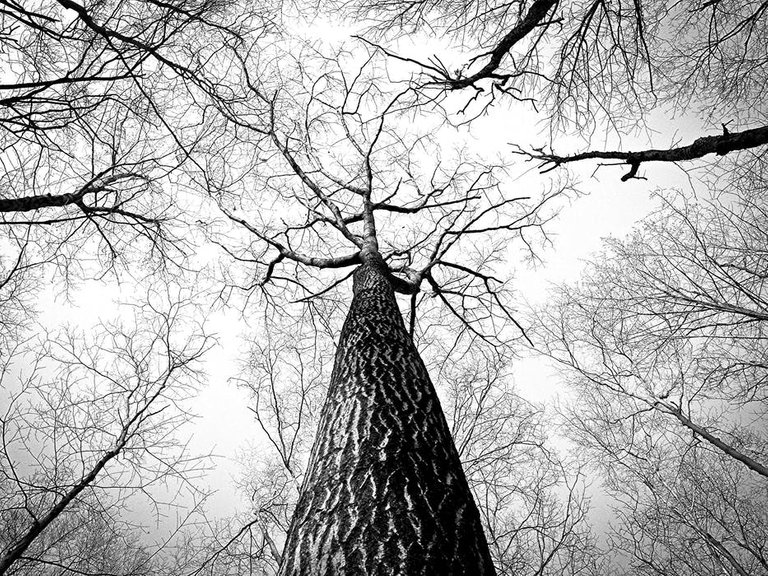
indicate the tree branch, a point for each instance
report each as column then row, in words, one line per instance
column 720, row 145
column 675, row 411
column 532, row 19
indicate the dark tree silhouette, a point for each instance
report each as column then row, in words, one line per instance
column 384, row 489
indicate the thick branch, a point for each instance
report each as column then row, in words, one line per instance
column 532, row 19
column 720, row 145
column 712, row 439
column 286, row 253
column 442, row 76
column 723, row 551
column 30, row 203
column 106, row 33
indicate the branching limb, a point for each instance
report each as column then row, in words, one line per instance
column 675, row 411
column 439, row 73
column 534, row 18
column 720, row 145
column 286, row 253
column 488, row 280
column 37, row 202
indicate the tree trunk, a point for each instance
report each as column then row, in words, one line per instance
column 384, row 492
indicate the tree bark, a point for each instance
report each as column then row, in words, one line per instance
column 384, row 492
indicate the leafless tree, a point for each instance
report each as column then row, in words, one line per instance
column 593, row 66
column 349, row 183
column 102, row 105
column 117, row 115
column 335, row 157
column 532, row 505
column 664, row 343
column 88, row 434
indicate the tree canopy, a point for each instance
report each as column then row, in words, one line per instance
column 213, row 158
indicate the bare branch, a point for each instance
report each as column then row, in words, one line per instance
column 720, row 145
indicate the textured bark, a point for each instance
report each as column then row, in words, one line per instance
column 384, row 491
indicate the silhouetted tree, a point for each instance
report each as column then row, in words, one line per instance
column 663, row 342
column 349, row 189
column 87, row 428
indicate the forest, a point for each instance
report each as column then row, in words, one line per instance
column 406, row 287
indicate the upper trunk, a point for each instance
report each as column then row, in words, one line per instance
column 384, row 492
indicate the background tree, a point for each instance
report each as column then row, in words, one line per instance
column 593, row 68
column 87, row 433
column 101, row 107
column 663, row 342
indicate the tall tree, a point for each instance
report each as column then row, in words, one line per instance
column 531, row 504
column 115, row 110
column 87, row 429
column 664, row 344
column 656, row 337
column 384, row 488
